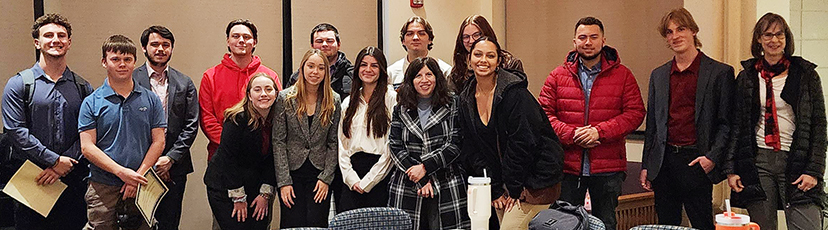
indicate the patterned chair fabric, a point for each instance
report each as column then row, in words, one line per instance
column 372, row 218
column 661, row 227
column 595, row 223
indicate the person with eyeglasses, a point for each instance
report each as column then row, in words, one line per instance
column 472, row 28
column 778, row 151
column 417, row 38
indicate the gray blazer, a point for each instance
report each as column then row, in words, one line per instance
column 294, row 141
column 712, row 119
column 182, row 117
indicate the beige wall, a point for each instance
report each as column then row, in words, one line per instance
column 199, row 28
column 16, row 44
column 541, row 32
column 717, row 19
column 357, row 25
column 445, row 18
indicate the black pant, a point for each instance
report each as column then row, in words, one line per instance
column 168, row 212
column 378, row 197
column 69, row 211
column 430, row 213
column 305, row 212
column 336, row 188
column 678, row 184
column 222, row 207
column 603, row 192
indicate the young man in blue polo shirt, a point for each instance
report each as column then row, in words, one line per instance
column 121, row 128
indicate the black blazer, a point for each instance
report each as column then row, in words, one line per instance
column 239, row 160
column 182, row 117
column 712, row 119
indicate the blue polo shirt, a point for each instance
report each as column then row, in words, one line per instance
column 123, row 125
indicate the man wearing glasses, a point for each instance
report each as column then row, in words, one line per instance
column 416, row 36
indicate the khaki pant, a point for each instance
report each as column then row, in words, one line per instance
column 102, row 201
column 519, row 218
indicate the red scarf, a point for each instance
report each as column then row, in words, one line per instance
column 768, row 71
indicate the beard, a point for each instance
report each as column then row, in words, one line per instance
column 153, row 62
column 589, row 58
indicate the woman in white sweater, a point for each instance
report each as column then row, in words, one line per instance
column 363, row 136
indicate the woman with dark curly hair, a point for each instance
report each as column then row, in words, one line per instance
column 507, row 134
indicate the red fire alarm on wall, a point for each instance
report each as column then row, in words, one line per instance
column 416, row 3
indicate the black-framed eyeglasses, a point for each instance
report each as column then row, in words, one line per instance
column 473, row 37
column 779, row 35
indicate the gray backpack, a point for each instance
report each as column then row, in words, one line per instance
column 561, row 216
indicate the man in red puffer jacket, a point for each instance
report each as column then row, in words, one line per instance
column 593, row 102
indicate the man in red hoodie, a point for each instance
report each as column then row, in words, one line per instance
column 222, row 86
column 593, row 102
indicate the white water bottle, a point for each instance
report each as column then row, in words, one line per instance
column 480, row 202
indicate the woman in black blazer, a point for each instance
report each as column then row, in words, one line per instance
column 305, row 143
column 241, row 171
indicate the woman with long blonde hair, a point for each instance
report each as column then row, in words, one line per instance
column 305, row 143
column 242, row 170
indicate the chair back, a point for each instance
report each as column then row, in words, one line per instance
column 372, row 218
column 594, row 223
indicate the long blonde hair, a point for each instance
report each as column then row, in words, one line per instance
column 325, row 91
column 256, row 118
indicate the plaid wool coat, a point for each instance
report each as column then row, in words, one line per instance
column 436, row 147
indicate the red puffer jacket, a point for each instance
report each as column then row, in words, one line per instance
column 615, row 110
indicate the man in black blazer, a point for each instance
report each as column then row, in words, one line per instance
column 178, row 95
column 687, row 126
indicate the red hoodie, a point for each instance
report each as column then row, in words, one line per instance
column 222, row 86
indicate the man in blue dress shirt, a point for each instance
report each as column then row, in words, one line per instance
column 40, row 116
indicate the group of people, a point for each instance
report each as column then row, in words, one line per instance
column 406, row 135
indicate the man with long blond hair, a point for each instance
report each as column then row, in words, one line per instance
column 687, row 125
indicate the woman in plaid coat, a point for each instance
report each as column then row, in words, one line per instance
column 427, row 180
